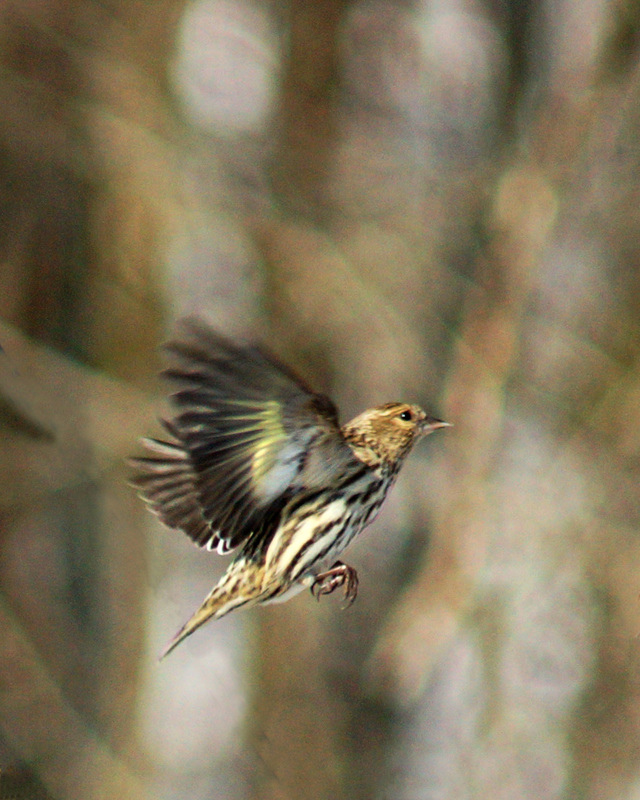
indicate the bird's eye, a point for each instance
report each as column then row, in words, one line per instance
column 407, row 416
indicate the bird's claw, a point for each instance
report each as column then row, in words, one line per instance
column 340, row 574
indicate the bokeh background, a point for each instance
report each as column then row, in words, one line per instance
column 430, row 201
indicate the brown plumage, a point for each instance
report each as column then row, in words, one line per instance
column 256, row 461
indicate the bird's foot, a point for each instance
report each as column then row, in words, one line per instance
column 340, row 574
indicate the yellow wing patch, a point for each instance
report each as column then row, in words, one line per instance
column 271, row 440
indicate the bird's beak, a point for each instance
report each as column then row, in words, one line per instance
column 431, row 424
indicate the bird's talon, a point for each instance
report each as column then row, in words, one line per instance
column 339, row 575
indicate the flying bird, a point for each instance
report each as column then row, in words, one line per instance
column 257, row 463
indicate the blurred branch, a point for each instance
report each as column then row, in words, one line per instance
column 297, row 728
column 425, row 619
column 42, row 388
column 44, row 729
column 295, row 713
column 308, row 104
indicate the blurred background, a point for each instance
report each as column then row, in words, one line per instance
column 436, row 202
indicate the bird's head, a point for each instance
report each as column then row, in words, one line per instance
column 387, row 433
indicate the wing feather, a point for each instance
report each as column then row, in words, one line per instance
column 248, row 435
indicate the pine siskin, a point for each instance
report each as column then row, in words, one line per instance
column 258, row 462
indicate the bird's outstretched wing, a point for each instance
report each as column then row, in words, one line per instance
column 247, row 435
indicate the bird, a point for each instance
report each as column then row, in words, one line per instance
column 256, row 463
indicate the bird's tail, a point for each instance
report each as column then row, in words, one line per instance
column 233, row 591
